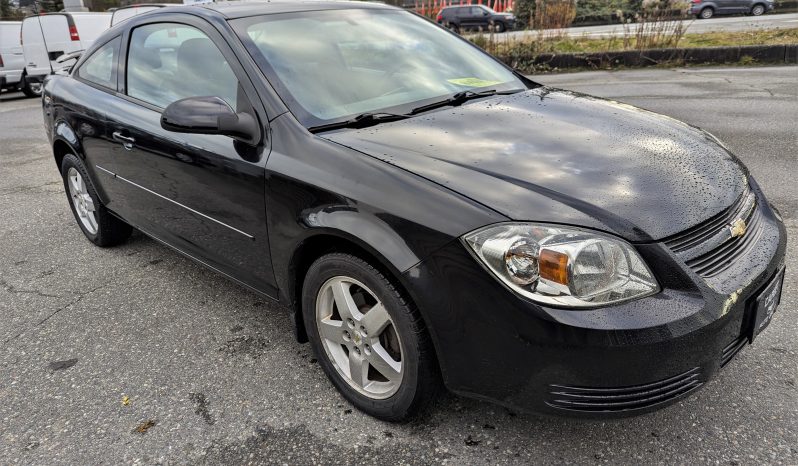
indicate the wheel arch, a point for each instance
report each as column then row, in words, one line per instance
column 65, row 142
column 326, row 241
column 60, row 150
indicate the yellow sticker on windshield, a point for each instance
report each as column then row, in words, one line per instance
column 472, row 82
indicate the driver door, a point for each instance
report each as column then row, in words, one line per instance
column 202, row 194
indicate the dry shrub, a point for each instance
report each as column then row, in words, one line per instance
column 658, row 24
column 554, row 14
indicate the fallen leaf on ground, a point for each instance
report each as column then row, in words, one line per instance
column 144, row 427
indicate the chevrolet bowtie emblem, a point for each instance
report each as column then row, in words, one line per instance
column 738, row 228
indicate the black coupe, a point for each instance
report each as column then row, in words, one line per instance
column 431, row 217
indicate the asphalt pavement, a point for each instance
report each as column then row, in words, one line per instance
column 135, row 355
column 735, row 23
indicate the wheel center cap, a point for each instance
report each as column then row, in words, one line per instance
column 356, row 338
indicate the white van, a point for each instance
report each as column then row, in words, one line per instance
column 12, row 61
column 46, row 37
column 127, row 12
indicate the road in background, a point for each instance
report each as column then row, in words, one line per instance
column 719, row 23
column 212, row 373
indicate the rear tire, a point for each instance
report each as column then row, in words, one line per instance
column 94, row 220
column 706, row 13
column 31, row 88
column 384, row 365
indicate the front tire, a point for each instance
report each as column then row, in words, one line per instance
column 500, row 27
column 368, row 339
column 758, row 10
column 94, row 220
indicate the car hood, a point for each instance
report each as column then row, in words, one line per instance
column 557, row 156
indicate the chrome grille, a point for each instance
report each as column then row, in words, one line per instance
column 592, row 399
column 716, row 260
column 700, row 233
column 711, row 246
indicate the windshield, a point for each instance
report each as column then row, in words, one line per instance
column 334, row 64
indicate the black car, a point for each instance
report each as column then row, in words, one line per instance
column 705, row 9
column 474, row 18
column 426, row 213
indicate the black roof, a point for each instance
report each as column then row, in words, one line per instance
column 240, row 9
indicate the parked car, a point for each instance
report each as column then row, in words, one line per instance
column 48, row 36
column 127, row 12
column 705, row 9
column 12, row 61
column 474, row 17
column 425, row 212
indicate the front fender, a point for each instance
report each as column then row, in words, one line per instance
column 365, row 229
column 322, row 196
column 315, row 186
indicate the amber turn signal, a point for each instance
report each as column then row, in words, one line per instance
column 554, row 266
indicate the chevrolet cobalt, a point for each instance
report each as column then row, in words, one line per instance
column 430, row 217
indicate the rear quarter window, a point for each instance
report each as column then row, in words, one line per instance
column 100, row 68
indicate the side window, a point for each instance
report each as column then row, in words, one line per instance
column 100, row 67
column 168, row 62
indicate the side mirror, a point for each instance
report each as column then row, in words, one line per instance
column 208, row 115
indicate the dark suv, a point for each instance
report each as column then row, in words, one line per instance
column 705, row 9
column 471, row 17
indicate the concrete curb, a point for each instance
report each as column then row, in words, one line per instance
column 635, row 58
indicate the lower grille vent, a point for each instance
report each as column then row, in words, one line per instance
column 589, row 399
column 731, row 350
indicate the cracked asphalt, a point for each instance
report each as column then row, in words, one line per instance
column 136, row 355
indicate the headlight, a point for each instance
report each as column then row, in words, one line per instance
column 562, row 266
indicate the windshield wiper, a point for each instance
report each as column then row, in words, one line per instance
column 373, row 118
column 360, row 121
column 460, row 98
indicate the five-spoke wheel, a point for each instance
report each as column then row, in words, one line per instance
column 359, row 337
column 82, row 201
column 368, row 337
column 96, row 222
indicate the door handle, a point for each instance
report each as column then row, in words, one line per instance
column 127, row 141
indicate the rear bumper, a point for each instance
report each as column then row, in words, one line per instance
column 9, row 79
column 645, row 354
column 36, row 78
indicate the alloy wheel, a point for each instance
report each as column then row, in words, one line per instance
column 82, row 201
column 359, row 337
column 758, row 10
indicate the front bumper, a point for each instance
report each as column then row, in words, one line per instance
column 495, row 345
